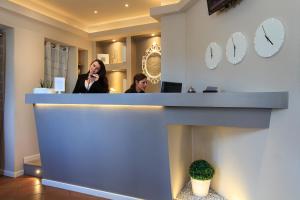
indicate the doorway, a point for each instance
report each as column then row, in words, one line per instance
column 82, row 61
column 2, row 93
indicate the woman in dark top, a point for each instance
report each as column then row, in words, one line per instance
column 139, row 84
column 94, row 81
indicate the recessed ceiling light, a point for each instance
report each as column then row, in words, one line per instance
column 153, row 34
column 126, row 5
column 95, row 11
column 114, row 40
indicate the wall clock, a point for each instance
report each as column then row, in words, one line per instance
column 269, row 37
column 213, row 55
column 236, row 48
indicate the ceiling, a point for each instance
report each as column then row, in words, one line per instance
column 80, row 13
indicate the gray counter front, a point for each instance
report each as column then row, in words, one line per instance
column 116, row 145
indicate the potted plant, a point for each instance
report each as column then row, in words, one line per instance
column 46, row 87
column 201, row 173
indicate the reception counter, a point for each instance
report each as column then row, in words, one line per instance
column 116, row 145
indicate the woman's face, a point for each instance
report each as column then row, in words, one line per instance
column 142, row 84
column 94, row 68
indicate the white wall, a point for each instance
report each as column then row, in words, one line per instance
column 173, row 46
column 23, row 74
column 28, row 69
column 251, row 164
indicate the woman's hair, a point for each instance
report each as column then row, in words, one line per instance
column 138, row 77
column 102, row 72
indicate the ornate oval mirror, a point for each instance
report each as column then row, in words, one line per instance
column 151, row 63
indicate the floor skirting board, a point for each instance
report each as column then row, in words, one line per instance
column 13, row 174
column 85, row 190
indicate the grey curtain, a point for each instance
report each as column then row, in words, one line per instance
column 56, row 61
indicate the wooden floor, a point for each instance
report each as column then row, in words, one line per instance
column 30, row 188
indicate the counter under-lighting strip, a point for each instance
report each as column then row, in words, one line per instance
column 99, row 106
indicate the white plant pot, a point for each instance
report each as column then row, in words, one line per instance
column 200, row 188
column 43, row 91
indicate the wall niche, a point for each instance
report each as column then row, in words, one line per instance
column 123, row 58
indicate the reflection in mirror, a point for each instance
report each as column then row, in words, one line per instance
column 153, row 64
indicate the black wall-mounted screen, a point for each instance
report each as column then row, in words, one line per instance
column 215, row 5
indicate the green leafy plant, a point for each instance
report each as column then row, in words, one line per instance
column 45, row 84
column 201, row 170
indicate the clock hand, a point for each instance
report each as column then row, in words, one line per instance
column 267, row 36
column 234, row 47
column 269, row 40
column 211, row 53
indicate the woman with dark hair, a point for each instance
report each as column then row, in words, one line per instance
column 94, row 81
column 139, row 84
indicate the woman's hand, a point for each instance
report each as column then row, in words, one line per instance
column 93, row 77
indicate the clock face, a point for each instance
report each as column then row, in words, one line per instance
column 269, row 37
column 213, row 55
column 236, row 48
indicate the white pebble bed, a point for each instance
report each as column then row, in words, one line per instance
column 187, row 194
